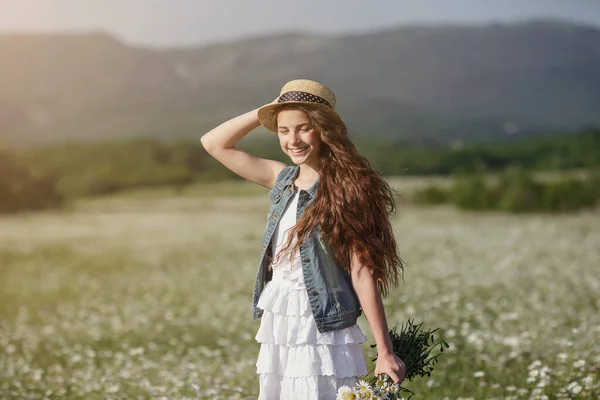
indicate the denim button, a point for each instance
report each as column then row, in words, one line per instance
column 312, row 291
column 306, row 260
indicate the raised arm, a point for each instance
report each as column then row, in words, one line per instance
column 220, row 143
column 372, row 305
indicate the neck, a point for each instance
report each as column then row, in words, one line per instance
column 308, row 173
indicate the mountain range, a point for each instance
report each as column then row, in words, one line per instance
column 445, row 82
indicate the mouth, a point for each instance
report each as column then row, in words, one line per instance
column 298, row 151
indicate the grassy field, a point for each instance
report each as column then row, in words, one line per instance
column 148, row 295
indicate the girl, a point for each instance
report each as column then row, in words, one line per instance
column 328, row 252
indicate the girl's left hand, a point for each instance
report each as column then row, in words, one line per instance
column 392, row 365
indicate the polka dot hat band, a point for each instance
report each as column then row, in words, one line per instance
column 302, row 96
column 303, row 92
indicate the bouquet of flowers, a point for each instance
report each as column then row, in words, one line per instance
column 413, row 344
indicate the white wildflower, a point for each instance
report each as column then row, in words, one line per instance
column 362, row 386
column 345, row 393
column 574, row 387
column 367, row 394
column 113, row 388
column 588, row 381
column 535, row 364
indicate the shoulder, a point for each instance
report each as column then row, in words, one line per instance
column 287, row 175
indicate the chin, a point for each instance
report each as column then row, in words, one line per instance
column 298, row 162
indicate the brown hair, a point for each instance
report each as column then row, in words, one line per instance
column 352, row 205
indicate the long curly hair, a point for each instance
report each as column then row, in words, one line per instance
column 352, row 206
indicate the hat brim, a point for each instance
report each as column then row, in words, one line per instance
column 267, row 115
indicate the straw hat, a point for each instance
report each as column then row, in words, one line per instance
column 300, row 91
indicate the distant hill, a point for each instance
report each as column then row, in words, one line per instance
column 440, row 82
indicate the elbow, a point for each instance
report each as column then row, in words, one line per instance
column 211, row 145
column 208, row 145
column 205, row 142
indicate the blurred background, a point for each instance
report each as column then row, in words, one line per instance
column 119, row 234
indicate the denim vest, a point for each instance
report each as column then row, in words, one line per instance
column 331, row 295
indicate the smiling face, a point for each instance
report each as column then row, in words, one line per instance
column 298, row 137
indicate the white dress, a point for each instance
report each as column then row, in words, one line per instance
column 296, row 361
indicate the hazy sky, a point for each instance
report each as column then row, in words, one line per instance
column 169, row 22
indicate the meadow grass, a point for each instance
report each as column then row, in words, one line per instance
column 148, row 295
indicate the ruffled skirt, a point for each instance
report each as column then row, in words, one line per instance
column 296, row 361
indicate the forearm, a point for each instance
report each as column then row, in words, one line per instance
column 372, row 305
column 226, row 135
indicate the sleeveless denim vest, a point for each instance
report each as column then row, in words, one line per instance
column 331, row 295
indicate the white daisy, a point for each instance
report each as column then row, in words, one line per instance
column 362, row 386
column 345, row 393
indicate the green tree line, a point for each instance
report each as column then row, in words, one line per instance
column 556, row 152
column 516, row 190
column 73, row 170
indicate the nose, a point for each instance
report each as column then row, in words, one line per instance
column 296, row 138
